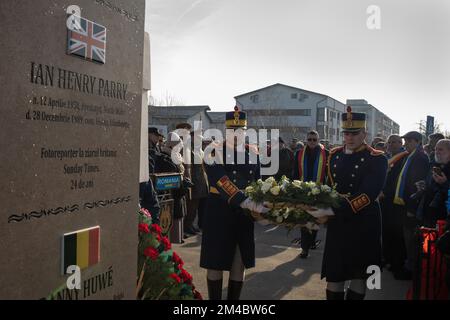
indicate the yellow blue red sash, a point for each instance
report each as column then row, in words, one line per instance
column 319, row 165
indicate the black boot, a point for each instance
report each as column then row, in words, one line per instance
column 331, row 295
column 234, row 289
column 352, row 295
column 215, row 289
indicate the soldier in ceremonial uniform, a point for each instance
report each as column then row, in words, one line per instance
column 353, row 243
column 228, row 232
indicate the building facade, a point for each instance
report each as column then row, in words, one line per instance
column 166, row 118
column 293, row 111
column 378, row 124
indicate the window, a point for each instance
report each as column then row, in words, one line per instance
column 332, row 115
column 255, row 98
column 302, row 97
column 278, row 112
column 321, row 114
column 294, row 96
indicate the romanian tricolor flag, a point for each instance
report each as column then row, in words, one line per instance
column 81, row 248
column 319, row 165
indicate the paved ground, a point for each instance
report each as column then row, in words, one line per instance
column 279, row 273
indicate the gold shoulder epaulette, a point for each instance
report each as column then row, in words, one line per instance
column 337, row 149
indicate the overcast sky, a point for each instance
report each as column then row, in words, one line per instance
column 205, row 52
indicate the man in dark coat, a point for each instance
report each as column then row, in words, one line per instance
column 310, row 165
column 200, row 189
column 228, row 232
column 353, row 243
column 406, row 199
column 394, row 251
column 286, row 160
column 432, row 205
column 148, row 199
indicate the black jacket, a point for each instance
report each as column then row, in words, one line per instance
column 418, row 170
column 433, row 202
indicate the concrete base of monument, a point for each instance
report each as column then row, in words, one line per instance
column 279, row 273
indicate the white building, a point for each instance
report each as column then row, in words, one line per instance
column 378, row 124
column 293, row 111
column 166, row 118
column 217, row 120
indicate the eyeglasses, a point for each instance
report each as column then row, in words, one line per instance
column 312, row 140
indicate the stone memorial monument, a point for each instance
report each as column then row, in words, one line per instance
column 71, row 83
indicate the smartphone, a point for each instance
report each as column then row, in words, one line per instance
column 437, row 171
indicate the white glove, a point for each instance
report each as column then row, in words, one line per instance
column 254, row 206
column 320, row 212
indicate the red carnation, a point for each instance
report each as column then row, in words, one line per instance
column 185, row 276
column 156, row 228
column 158, row 238
column 146, row 213
column 197, row 295
column 175, row 277
column 152, row 253
column 143, row 227
column 167, row 245
column 176, row 258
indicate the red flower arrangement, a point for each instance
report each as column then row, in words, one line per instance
column 167, row 245
column 152, row 253
column 156, row 228
column 197, row 295
column 176, row 258
column 160, row 270
column 146, row 213
column 143, row 227
column 185, row 276
column 175, row 277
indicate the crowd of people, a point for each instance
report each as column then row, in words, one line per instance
column 189, row 198
column 408, row 180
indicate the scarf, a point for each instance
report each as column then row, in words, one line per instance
column 319, row 165
column 400, row 190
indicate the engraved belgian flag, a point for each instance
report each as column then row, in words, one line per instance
column 81, row 248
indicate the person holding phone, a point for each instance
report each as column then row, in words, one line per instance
column 435, row 189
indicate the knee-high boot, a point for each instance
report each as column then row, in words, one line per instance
column 234, row 289
column 352, row 295
column 215, row 289
column 331, row 295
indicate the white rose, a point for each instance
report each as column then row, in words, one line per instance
column 310, row 184
column 315, row 191
column 265, row 187
column 325, row 188
column 270, row 180
column 249, row 189
column 284, row 179
column 259, row 181
column 275, row 190
column 297, row 183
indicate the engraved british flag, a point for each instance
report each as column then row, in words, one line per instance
column 87, row 39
